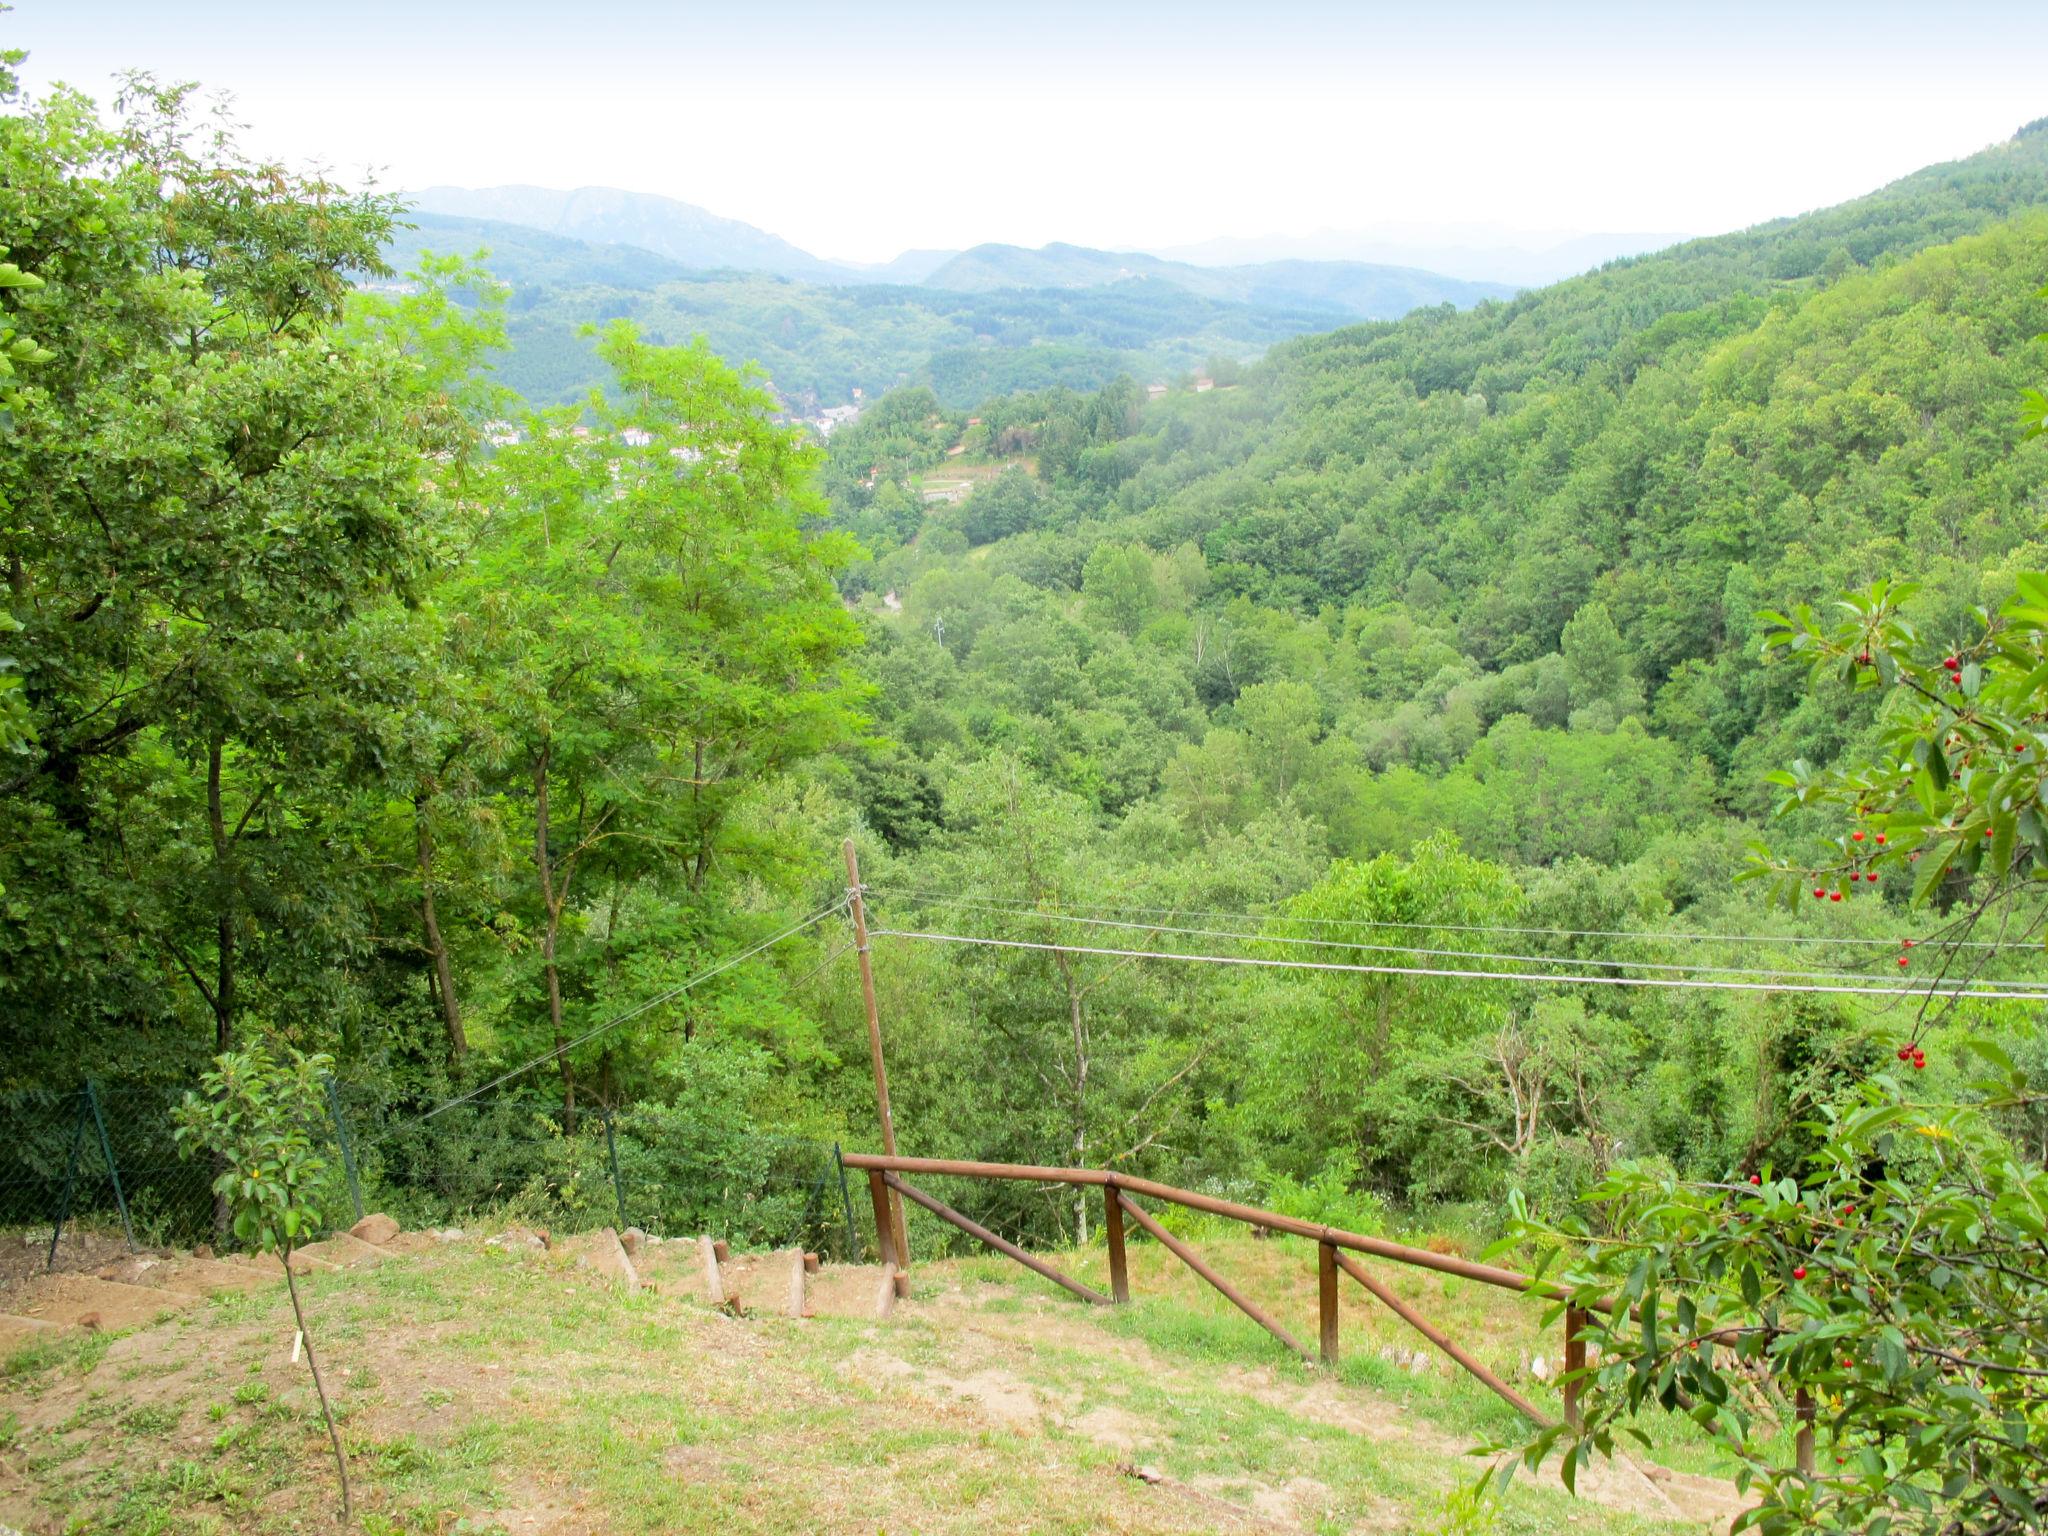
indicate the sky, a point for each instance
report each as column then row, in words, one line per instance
column 857, row 130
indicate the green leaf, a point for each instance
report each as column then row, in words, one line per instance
column 1934, row 864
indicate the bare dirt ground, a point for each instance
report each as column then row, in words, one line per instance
column 24, row 1254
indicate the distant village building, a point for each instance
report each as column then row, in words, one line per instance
column 1155, row 392
column 502, row 434
column 834, row 417
column 636, row 437
column 1204, row 384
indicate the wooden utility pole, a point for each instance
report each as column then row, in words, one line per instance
column 901, row 1240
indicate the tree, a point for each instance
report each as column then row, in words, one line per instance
column 1952, row 797
column 251, row 1113
column 1595, row 659
column 1118, row 586
column 1886, row 1307
column 656, row 629
column 1281, row 720
column 203, row 492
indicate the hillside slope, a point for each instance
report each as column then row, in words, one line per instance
column 507, row 1387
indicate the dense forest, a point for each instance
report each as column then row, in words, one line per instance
column 437, row 756
column 1451, row 620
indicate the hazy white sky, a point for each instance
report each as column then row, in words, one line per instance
column 857, row 130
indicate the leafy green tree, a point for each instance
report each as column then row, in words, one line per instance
column 1950, row 801
column 1118, row 586
column 1864, row 1337
column 251, row 1114
column 657, row 633
column 203, row 492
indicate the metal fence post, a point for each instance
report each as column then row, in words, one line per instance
column 348, row 1155
column 611, row 1148
column 70, row 1185
column 846, row 1204
column 92, row 1098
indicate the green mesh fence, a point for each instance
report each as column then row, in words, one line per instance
column 91, row 1173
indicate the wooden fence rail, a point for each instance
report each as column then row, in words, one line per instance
column 1333, row 1252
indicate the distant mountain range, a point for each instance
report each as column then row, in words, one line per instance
column 1353, row 289
column 605, row 216
column 701, row 241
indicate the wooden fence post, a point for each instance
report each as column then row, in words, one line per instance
column 1574, row 1362
column 858, row 907
column 1113, row 1229
column 1326, row 1287
column 1802, row 1411
column 885, row 1238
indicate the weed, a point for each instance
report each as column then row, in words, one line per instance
column 153, row 1419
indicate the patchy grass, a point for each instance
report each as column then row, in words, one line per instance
column 485, row 1390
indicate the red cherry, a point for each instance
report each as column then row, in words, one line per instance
column 1919, row 1062
column 1856, row 837
column 1756, row 1178
column 1950, row 662
column 1818, row 893
column 1987, row 829
column 1799, row 1272
column 1849, row 1210
column 1903, row 962
column 1880, row 839
column 1905, row 1053
column 1834, row 895
column 1909, row 943
column 1871, row 876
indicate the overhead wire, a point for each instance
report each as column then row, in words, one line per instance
column 2039, row 987
column 1972, row 990
column 1479, row 928
column 645, row 1006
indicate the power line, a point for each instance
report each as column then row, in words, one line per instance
column 2038, row 987
column 632, row 1013
column 1960, row 990
column 1367, row 922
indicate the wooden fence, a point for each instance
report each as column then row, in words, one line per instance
column 1335, row 1250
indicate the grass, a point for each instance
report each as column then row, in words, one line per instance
column 483, row 1390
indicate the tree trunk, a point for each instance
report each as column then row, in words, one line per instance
column 430, row 922
column 224, row 941
column 551, row 925
column 224, row 913
column 319, row 1387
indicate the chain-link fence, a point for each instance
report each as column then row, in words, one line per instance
column 89, row 1174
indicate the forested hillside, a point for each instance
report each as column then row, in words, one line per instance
column 821, row 342
column 977, row 327
column 1469, row 604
